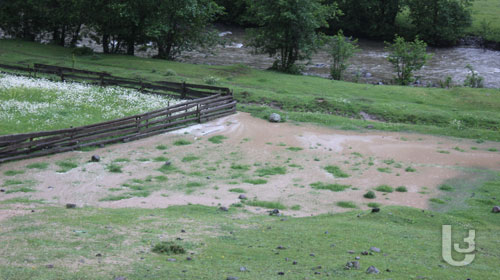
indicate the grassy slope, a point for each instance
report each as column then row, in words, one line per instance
column 410, row 241
column 486, row 10
column 313, row 99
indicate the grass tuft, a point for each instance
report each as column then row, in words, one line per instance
column 346, row 204
column 114, row 168
column 182, row 142
column 66, row 166
column 401, row 189
column 384, row 188
column 217, row 139
column 237, row 190
column 38, row 165
column 266, row 204
column 336, row 171
column 13, row 172
column 370, row 195
column 269, row 171
column 331, row 187
column 255, row 181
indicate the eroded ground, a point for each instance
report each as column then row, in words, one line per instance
column 284, row 163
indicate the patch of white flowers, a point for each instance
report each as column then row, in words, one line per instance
column 40, row 100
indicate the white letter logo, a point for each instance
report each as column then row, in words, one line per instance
column 469, row 258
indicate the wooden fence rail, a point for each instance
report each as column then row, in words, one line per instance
column 213, row 103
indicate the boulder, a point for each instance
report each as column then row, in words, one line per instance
column 95, row 158
column 275, row 118
column 496, row 209
column 372, row 270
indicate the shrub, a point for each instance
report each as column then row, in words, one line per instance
column 331, row 187
column 401, row 189
column 170, row 73
column 82, row 51
column 406, row 58
column 446, row 188
column 346, row 204
column 168, row 248
column 410, row 169
column 210, row 80
column 374, row 205
column 370, row 195
column 473, row 79
column 182, row 142
column 384, row 188
column 217, row 139
column 341, row 50
column 336, row 171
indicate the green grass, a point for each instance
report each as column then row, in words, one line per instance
column 294, row 149
column 121, row 160
column 493, row 150
column 255, row 181
column 218, row 139
column 269, row 171
column 331, row 187
column 114, row 168
column 13, row 172
column 237, row 190
column 38, row 165
column 486, row 11
column 182, row 142
column 295, row 207
column 346, row 204
column 65, row 166
column 160, row 159
column 266, row 204
column 446, row 188
column 161, row 147
column 374, row 205
column 115, row 197
column 384, row 170
column 194, row 185
column 336, row 171
column 424, row 110
column 384, row 188
column 410, row 169
column 20, row 189
column 437, row 200
column 240, row 167
column 401, row 189
column 190, row 158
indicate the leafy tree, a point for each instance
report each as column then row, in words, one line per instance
column 179, row 25
column 407, row 57
column 368, row 18
column 440, row 22
column 234, row 11
column 341, row 50
column 287, row 29
column 22, row 18
column 473, row 79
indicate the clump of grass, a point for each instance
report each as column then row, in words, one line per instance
column 217, row 139
column 182, row 142
column 114, row 168
column 446, row 188
column 492, row 150
column 356, row 154
column 12, row 182
column 384, row 169
column 294, row 149
column 370, row 195
column 170, row 73
column 346, row 204
column 115, row 197
column 13, row 172
column 458, row 149
column 238, row 205
column 143, row 159
column 66, row 166
column 160, row 159
column 336, row 171
column 384, row 188
column 161, row 147
column 401, row 189
column 121, row 160
column 241, row 167
column 168, row 248
column 410, row 169
column 266, row 204
column 37, row 165
column 193, row 184
column 389, row 161
column 21, row 189
column 331, row 187
column 160, row 178
column 237, row 190
column 268, row 171
column 443, row 152
column 437, row 201
column 296, row 207
column 255, row 181
column 373, row 205
column 190, row 158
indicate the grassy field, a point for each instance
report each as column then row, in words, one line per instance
column 94, row 243
column 486, row 11
column 462, row 112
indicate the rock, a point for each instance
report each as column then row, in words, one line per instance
column 223, row 208
column 375, row 210
column 101, row 145
column 171, row 260
column 208, row 177
column 365, row 253
column 281, row 273
column 375, row 249
column 50, row 187
column 243, row 269
column 274, row 212
column 95, row 158
column 275, row 118
column 183, row 231
column 351, row 252
column 280, row 248
column 370, row 127
column 49, row 266
column 368, row 75
column 312, row 255
column 32, row 211
column 189, row 259
column 120, row 278
column 242, row 196
column 317, row 272
column 295, row 262
column 372, row 270
column 168, row 163
column 232, row 278
column 70, row 205
column 357, row 258
column 2, row 190
column 352, row 265
column 496, row 209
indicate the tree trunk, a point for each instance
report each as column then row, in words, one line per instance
column 62, row 39
column 130, row 47
column 105, row 43
column 76, row 34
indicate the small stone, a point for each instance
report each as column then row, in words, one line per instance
column 365, row 253
column 167, row 163
column 243, row 269
column 375, row 249
column 372, row 270
column 50, row 187
column 281, row 273
column 326, row 232
column 223, row 208
column 101, row 145
column 208, row 177
column 189, row 259
column 121, row 278
column 287, row 259
column 171, row 260
column 317, row 272
column 375, row 210
column 232, row 278
column 70, row 205
column 294, row 262
column 312, row 255
column 178, row 238
column 275, row 118
column 95, row 158
column 351, row 252
column 370, row 127
column 496, row 209
column 98, row 255
column 49, row 266
column 352, row 265
column 32, row 211
column 183, row 231
column 388, row 270
column 2, row 190
column 242, row 196
column 357, row 258
column 280, row 248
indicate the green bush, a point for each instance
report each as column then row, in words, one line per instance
column 370, row 195
column 168, row 248
column 401, row 189
column 384, row 188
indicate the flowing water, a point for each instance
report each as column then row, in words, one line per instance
column 370, row 64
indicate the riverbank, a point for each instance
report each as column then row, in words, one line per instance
column 460, row 112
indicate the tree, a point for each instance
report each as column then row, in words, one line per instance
column 341, row 50
column 287, row 29
column 179, row 25
column 407, row 57
column 440, row 22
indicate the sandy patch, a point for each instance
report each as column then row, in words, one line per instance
column 259, row 144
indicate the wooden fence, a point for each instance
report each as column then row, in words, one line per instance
column 28, row 145
column 179, row 90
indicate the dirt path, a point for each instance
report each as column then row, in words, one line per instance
column 203, row 172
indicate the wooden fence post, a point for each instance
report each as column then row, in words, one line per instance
column 184, row 90
column 198, row 112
